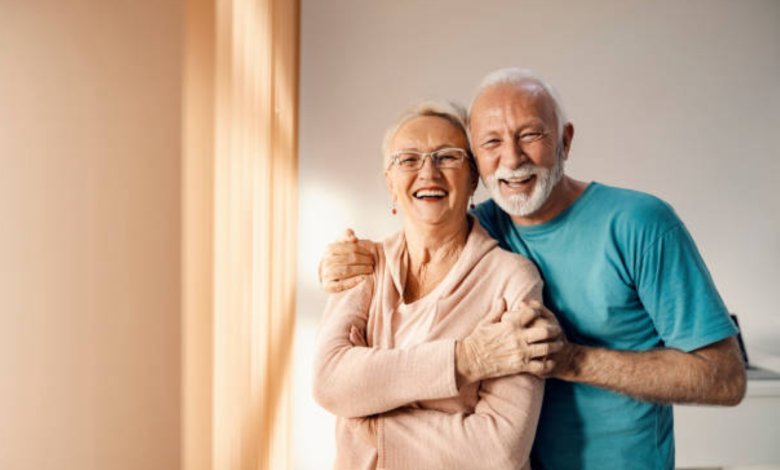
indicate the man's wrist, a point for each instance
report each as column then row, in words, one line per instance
column 572, row 359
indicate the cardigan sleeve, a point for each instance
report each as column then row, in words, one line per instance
column 351, row 381
column 497, row 435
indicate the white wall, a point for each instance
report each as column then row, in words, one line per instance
column 89, row 234
column 680, row 99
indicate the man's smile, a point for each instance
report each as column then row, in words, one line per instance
column 518, row 184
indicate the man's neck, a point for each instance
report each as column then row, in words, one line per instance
column 562, row 196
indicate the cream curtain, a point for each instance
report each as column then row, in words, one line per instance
column 239, row 193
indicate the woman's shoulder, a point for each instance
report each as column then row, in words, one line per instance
column 509, row 275
column 514, row 277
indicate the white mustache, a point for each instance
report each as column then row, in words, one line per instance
column 528, row 169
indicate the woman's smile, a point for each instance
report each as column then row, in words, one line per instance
column 433, row 194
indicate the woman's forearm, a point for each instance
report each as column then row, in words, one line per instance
column 353, row 381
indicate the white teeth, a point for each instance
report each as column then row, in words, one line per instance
column 430, row 193
column 517, row 181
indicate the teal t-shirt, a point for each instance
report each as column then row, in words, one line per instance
column 621, row 272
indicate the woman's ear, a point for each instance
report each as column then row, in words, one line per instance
column 390, row 186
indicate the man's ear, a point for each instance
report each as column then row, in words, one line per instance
column 568, row 136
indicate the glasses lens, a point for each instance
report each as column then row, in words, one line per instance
column 449, row 158
column 409, row 160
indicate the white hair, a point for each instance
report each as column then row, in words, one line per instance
column 517, row 76
column 449, row 111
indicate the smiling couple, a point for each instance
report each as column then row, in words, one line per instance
column 552, row 327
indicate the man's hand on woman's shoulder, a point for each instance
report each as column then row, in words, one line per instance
column 346, row 263
column 522, row 341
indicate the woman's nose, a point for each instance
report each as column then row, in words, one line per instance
column 428, row 168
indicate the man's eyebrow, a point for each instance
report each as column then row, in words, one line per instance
column 488, row 133
column 534, row 123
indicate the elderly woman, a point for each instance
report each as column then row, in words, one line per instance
column 405, row 358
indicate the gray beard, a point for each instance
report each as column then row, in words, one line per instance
column 524, row 205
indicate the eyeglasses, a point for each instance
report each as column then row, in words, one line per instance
column 443, row 159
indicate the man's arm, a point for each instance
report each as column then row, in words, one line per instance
column 711, row 375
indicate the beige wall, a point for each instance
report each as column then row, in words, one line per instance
column 680, row 99
column 90, row 234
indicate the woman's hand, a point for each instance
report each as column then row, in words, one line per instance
column 521, row 342
column 346, row 263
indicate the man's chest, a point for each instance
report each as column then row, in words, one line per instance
column 590, row 286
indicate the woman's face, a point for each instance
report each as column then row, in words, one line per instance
column 430, row 195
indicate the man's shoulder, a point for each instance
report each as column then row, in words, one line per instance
column 635, row 209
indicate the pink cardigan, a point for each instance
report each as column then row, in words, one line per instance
column 425, row 422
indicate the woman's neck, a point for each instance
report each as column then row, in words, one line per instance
column 432, row 252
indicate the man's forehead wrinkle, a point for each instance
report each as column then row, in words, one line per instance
column 531, row 104
column 507, row 107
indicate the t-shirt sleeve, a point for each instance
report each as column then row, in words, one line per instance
column 677, row 291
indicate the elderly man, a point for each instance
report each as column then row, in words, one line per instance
column 644, row 325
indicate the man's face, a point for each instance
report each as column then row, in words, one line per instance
column 516, row 141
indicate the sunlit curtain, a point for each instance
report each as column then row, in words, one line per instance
column 239, row 193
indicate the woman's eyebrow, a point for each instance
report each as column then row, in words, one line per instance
column 438, row 147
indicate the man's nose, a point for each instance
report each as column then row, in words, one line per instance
column 513, row 155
